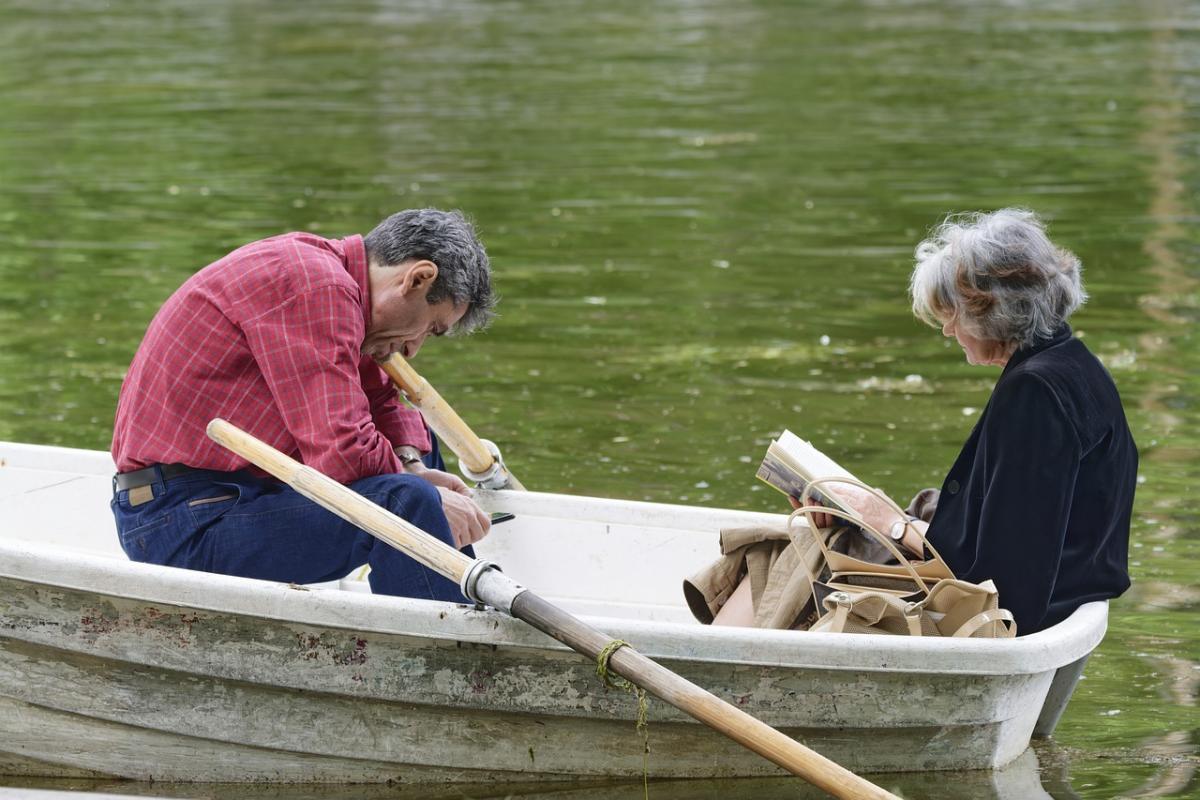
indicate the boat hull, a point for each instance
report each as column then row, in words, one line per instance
column 110, row 668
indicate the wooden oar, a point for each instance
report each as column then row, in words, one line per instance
column 479, row 459
column 482, row 583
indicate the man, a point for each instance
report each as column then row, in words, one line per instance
column 280, row 337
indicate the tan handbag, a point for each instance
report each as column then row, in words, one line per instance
column 921, row 598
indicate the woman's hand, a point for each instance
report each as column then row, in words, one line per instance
column 819, row 518
column 874, row 511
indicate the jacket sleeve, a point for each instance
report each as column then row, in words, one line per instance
column 396, row 421
column 308, row 351
column 1031, row 462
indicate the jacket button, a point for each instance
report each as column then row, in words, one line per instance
column 952, row 486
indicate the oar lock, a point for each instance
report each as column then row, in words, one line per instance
column 485, row 585
column 470, row 579
column 495, row 476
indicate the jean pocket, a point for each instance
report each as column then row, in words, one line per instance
column 136, row 542
column 207, row 510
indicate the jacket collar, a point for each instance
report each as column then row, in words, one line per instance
column 354, row 254
column 1061, row 335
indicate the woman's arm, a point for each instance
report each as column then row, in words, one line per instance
column 876, row 513
column 1033, row 456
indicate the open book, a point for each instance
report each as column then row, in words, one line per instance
column 791, row 463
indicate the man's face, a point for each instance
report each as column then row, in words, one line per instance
column 401, row 317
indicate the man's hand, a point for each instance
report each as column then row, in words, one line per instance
column 467, row 521
column 442, row 480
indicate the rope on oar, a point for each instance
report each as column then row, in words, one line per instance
column 617, row 682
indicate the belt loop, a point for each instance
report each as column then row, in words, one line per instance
column 160, row 484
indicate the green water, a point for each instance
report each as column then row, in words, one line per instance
column 701, row 216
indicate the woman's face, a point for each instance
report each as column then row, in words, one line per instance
column 978, row 351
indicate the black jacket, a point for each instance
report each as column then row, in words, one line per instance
column 1040, row 497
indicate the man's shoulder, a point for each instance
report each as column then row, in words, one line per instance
column 303, row 261
column 267, row 273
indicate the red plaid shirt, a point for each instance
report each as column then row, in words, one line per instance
column 268, row 338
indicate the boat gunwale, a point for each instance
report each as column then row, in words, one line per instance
column 60, row 568
column 63, row 567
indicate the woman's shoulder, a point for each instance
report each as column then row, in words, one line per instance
column 1065, row 369
column 1028, row 390
column 1066, row 379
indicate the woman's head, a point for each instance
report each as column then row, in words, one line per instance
column 995, row 278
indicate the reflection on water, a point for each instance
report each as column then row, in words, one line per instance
column 1042, row 772
column 1019, row 781
column 701, row 215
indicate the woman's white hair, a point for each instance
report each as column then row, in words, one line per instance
column 998, row 275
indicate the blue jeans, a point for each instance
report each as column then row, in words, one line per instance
column 236, row 523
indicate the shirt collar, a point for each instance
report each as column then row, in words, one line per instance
column 1062, row 334
column 354, row 253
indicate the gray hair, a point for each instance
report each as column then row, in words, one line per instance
column 447, row 239
column 998, row 274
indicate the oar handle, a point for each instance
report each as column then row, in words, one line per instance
column 444, row 420
column 330, row 494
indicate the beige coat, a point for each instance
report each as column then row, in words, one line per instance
column 780, row 569
column 779, row 572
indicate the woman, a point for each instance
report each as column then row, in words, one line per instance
column 1039, row 500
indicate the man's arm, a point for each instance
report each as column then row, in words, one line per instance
column 308, row 351
column 396, row 421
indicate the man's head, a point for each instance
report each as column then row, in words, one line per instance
column 429, row 275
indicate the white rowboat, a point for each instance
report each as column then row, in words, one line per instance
column 115, row 669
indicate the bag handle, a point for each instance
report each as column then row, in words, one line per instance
column 807, row 510
column 1007, row 624
column 886, row 501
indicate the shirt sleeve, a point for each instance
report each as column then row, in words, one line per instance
column 396, row 421
column 1032, row 460
column 308, row 351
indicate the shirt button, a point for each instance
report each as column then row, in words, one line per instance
column 952, row 486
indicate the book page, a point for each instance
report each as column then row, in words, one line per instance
column 809, row 461
column 791, row 463
column 783, row 477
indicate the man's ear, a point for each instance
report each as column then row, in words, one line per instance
column 419, row 277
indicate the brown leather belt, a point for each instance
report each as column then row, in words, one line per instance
column 148, row 475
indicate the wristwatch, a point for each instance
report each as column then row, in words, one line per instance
column 408, row 454
column 900, row 527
